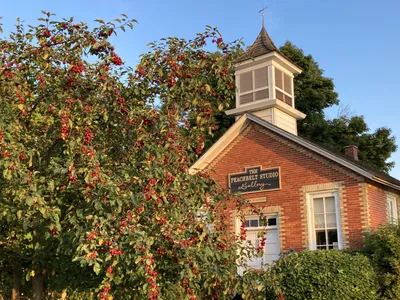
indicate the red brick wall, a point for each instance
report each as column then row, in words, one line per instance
column 377, row 206
column 299, row 167
column 353, row 201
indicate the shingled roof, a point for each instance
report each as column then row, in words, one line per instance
column 356, row 166
column 369, row 172
column 262, row 45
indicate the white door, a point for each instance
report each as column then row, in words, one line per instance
column 272, row 247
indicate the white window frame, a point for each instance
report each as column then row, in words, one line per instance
column 283, row 85
column 311, row 225
column 253, row 81
column 391, row 201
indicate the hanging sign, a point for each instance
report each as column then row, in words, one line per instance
column 255, row 180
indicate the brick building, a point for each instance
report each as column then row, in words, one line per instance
column 312, row 197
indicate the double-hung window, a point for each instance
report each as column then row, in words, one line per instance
column 324, row 221
column 392, row 209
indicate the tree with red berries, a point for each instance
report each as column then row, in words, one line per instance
column 96, row 199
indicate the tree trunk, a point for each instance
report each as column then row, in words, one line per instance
column 37, row 278
column 37, row 287
column 15, row 293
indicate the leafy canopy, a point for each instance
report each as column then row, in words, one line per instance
column 95, row 193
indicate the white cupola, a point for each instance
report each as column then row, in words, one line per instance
column 264, row 81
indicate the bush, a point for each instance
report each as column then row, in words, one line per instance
column 383, row 246
column 332, row 274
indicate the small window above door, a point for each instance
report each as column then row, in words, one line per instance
column 261, row 221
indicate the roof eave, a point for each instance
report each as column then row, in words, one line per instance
column 387, row 183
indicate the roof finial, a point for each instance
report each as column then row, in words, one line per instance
column 262, row 14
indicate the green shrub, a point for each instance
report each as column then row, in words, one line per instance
column 332, row 274
column 383, row 246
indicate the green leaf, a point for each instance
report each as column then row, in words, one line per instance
column 29, row 200
column 51, row 185
column 96, row 268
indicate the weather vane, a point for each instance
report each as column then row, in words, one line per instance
column 262, row 14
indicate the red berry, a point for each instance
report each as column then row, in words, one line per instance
column 116, row 59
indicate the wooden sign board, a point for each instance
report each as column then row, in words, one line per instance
column 255, row 180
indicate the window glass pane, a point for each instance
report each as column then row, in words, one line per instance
column 287, row 84
column 332, row 237
column 278, row 78
column 263, row 94
column 246, row 98
column 330, row 204
column 321, row 237
column 247, row 223
column 330, row 220
column 272, row 222
column 279, row 95
column 253, row 223
column 246, row 82
column 319, row 221
column 288, row 100
column 318, row 205
column 261, row 77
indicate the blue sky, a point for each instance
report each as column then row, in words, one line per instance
column 356, row 42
